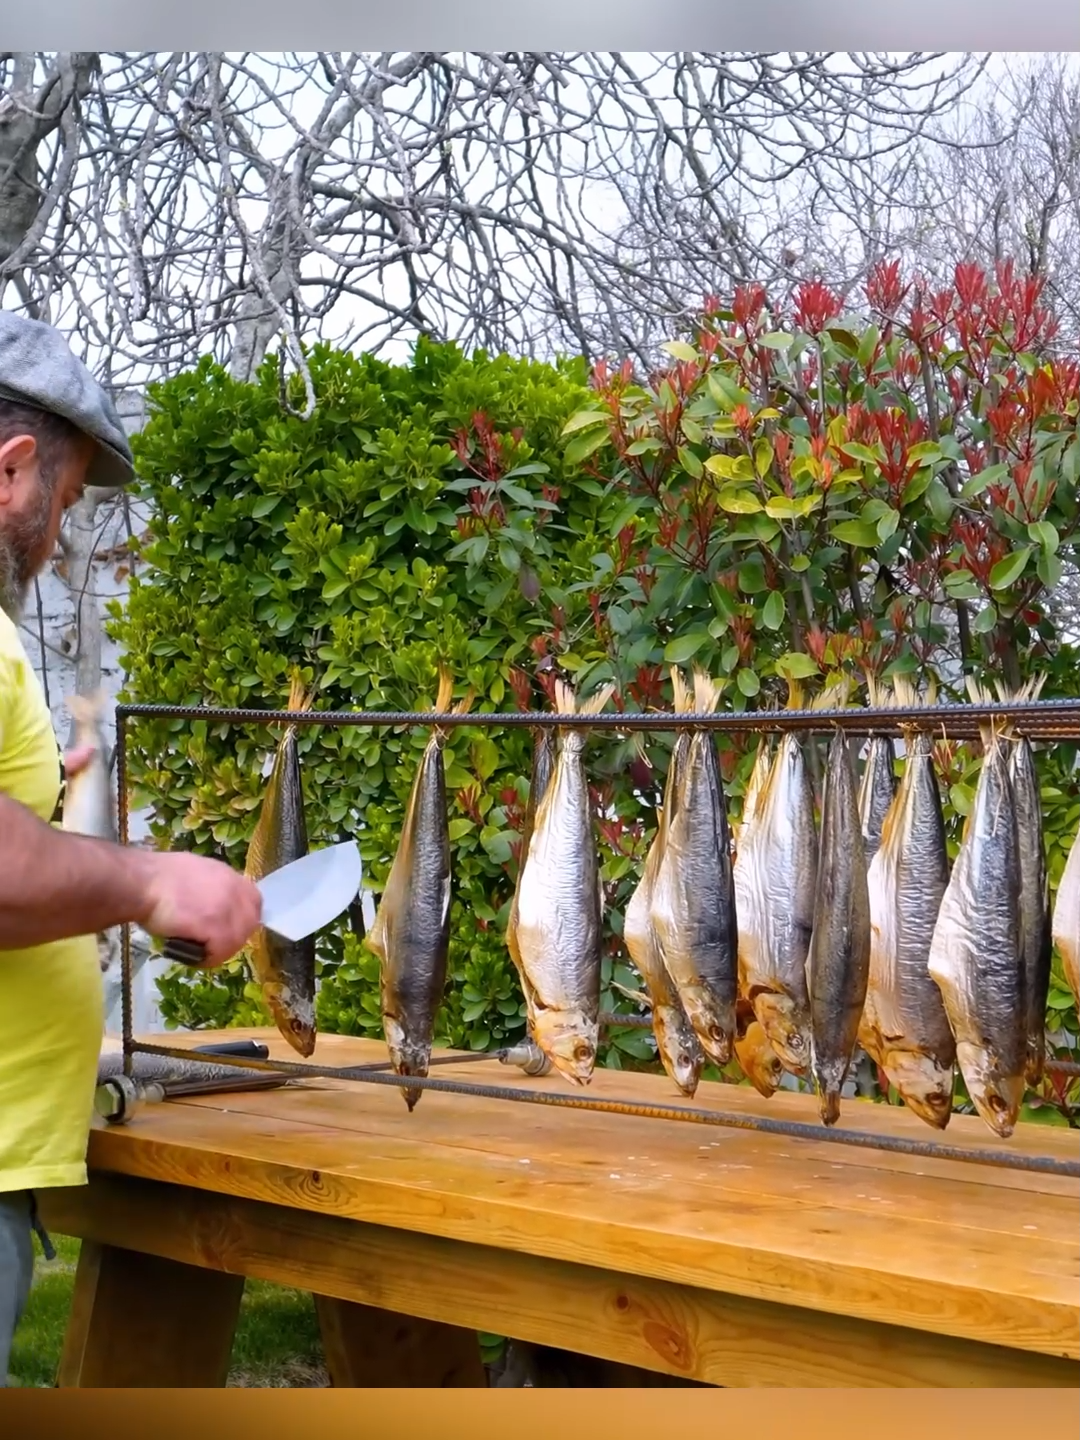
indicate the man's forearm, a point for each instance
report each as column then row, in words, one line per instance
column 54, row 885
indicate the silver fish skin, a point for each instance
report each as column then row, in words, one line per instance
column 89, row 803
column 693, row 905
column 976, row 956
column 560, row 907
column 676, row 1043
column 838, row 964
column 543, row 767
column 777, row 881
column 876, row 792
column 1035, row 915
column 411, row 931
column 904, row 1028
column 1066, row 922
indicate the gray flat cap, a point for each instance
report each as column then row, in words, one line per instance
column 38, row 368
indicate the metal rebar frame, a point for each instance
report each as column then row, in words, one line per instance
column 1038, row 720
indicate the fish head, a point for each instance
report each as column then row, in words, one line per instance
column 759, row 1061
column 678, row 1045
column 996, row 1096
column 788, row 1032
column 925, row 1086
column 569, row 1040
column 295, row 1018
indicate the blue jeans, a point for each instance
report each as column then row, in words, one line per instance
column 18, row 1217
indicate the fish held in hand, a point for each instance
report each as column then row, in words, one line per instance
column 411, row 931
column 838, row 963
column 676, row 1043
column 776, row 881
column 904, row 1028
column 693, row 902
column 285, row 969
column 976, row 955
column 89, row 803
column 558, row 929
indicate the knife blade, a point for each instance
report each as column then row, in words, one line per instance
column 298, row 900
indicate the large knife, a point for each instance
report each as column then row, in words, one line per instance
column 298, row 900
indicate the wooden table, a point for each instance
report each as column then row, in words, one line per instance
column 713, row 1255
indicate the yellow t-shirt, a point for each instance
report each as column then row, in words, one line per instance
column 51, row 999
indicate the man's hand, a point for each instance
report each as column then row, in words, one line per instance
column 78, row 759
column 191, row 897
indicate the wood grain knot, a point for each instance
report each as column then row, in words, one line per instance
column 671, row 1345
column 622, row 1302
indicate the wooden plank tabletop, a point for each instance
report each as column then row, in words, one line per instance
column 940, row 1246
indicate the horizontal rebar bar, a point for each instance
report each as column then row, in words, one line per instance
column 1061, row 717
column 792, row 1129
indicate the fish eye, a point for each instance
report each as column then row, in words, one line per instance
column 582, row 1050
column 997, row 1104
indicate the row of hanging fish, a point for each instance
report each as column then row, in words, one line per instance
column 774, row 943
column 813, row 942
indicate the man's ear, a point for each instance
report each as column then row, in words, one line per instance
column 18, row 455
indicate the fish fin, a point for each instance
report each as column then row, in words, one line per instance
column 636, row 997
column 684, row 696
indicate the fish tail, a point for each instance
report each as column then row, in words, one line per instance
column 706, row 692
column 996, row 727
column 796, row 695
column 445, row 690
column 834, row 696
column 87, row 709
column 597, row 700
column 878, row 691
column 565, row 699
column 684, row 696
column 300, row 697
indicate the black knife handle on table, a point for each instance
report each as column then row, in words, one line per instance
column 184, row 952
column 242, row 1049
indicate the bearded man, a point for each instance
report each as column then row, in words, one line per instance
column 59, row 432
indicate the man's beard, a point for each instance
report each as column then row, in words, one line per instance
column 22, row 540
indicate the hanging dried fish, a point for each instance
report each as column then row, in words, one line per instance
column 776, row 879
column 560, row 906
column 976, row 955
column 838, row 963
column 1035, row 916
column 543, row 767
column 878, row 784
column 677, row 1045
column 905, row 1029
column 693, row 900
column 411, row 931
column 285, row 969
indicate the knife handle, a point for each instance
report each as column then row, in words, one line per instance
column 184, row 952
column 243, row 1049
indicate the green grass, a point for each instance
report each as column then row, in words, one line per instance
column 277, row 1338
